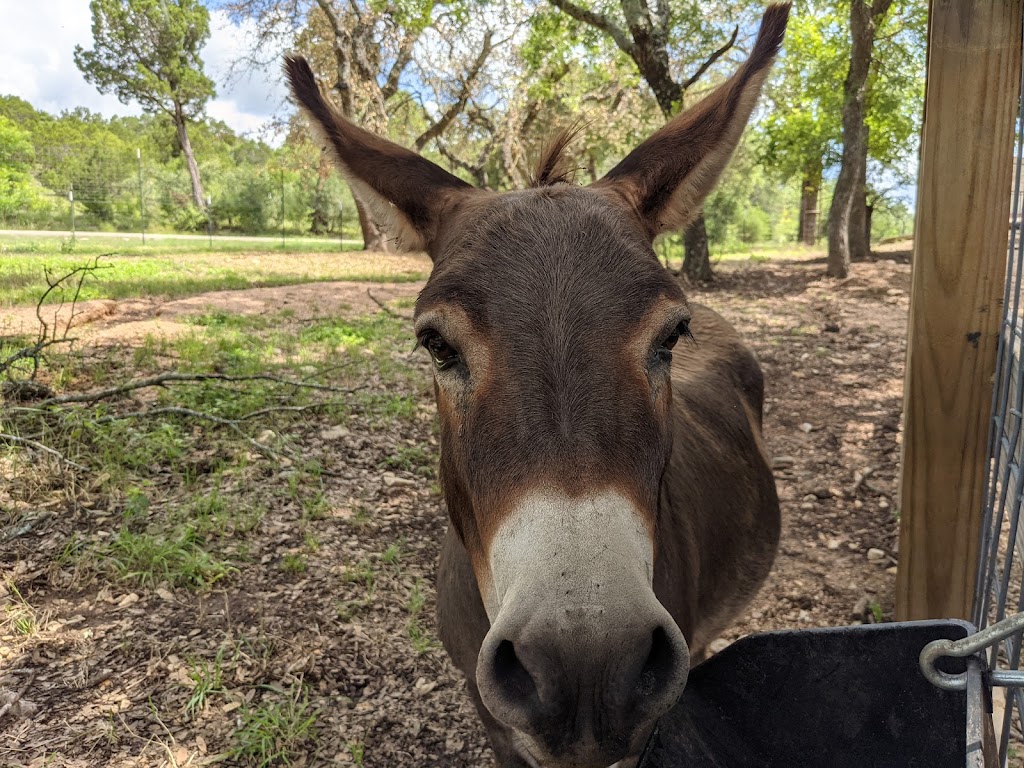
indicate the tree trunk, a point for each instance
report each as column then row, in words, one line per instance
column 869, row 211
column 697, row 261
column 863, row 18
column 190, row 159
column 373, row 238
column 860, row 235
column 808, row 232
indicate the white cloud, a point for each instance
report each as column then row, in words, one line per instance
column 37, row 43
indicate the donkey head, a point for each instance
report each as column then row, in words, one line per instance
column 551, row 323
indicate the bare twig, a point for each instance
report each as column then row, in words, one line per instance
column 167, row 378
column 17, row 696
column 291, row 408
column 40, row 447
column 711, row 60
column 24, row 526
column 386, row 308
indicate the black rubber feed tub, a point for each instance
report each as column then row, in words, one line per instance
column 848, row 697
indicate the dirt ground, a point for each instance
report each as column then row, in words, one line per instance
column 114, row 666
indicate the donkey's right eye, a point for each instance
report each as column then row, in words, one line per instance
column 441, row 352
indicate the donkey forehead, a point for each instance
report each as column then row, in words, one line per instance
column 508, row 257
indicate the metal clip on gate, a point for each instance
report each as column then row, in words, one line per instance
column 969, row 646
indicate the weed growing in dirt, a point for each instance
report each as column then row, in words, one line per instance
column 392, row 554
column 876, row 611
column 149, row 559
column 360, row 573
column 276, row 732
column 358, row 751
column 207, row 680
column 422, row 640
column 19, row 617
column 293, row 563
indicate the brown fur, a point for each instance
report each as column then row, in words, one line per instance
column 557, row 305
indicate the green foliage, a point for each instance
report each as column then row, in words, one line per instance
column 16, row 155
column 148, row 51
column 801, row 136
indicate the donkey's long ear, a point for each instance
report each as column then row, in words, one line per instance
column 404, row 191
column 669, row 175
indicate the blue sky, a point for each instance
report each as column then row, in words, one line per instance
column 37, row 41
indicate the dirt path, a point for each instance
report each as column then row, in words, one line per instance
column 107, row 320
column 116, row 664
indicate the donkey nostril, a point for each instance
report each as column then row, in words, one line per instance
column 659, row 668
column 510, row 674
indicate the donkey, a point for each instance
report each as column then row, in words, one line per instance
column 610, row 500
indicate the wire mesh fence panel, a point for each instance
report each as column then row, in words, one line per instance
column 83, row 186
column 1000, row 575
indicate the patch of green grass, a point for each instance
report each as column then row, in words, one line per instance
column 411, row 458
column 294, row 563
column 133, row 270
column 207, row 680
column 212, row 513
column 175, row 557
column 276, row 732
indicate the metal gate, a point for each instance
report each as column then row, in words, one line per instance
column 1000, row 576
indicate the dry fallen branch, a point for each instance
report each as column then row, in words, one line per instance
column 51, row 333
column 17, row 696
column 386, row 308
column 168, row 378
column 35, row 444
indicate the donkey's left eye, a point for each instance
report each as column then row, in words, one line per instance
column 441, row 352
column 664, row 350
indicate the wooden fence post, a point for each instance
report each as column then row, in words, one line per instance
column 960, row 244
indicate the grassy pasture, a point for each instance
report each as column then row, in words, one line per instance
column 173, row 269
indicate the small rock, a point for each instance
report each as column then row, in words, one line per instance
column 891, row 570
column 806, row 427
column 831, row 328
column 823, row 493
column 807, row 505
column 165, row 594
column 810, row 497
column 883, row 503
column 334, row 433
column 130, row 599
column 422, row 687
column 833, row 544
column 860, row 608
column 876, row 554
column 266, row 436
column 719, row 645
column 803, row 616
column 391, row 480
